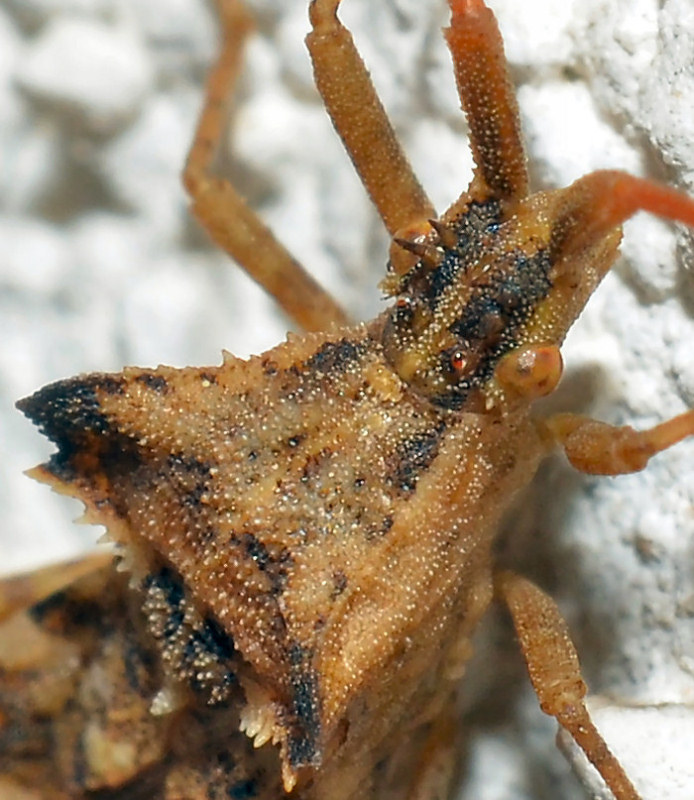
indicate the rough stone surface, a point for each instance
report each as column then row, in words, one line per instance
column 98, row 74
column 100, row 268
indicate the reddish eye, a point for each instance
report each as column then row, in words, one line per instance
column 458, row 361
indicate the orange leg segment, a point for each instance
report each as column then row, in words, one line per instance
column 597, row 448
column 223, row 212
column 555, row 674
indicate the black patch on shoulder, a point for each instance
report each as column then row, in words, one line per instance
column 157, row 383
column 413, row 456
column 69, row 413
column 66, row 410
column 335, row 356
column 304, row 744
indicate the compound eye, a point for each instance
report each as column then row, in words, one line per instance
column 531, row 370
column 458, row 361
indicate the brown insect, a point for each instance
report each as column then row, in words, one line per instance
column 308, row 533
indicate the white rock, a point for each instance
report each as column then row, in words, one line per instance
column 641, row 736
column 143, row 165
column 38, row 12
column 180, row 32
column 31, row 155
column 33, row 257
column 100, row 72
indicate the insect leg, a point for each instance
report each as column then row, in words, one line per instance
column 19, row 592
column 436, row 767
column 223, row 212
column 555, row 674
column 601, row 449
column 488, row 101
column 361, row 122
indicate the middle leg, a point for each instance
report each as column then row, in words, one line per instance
column 224, row 213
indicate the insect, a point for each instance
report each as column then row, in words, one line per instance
column 457, row 359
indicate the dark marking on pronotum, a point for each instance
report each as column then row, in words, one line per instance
column 339, row 583
column 256, row 550
column 157, row 383
column 191, row 478
column 68, row 411
column 89, row 443
column 315, row 462
column 304, row 739
column 414, row 456
column 335, row 357
column 271, row 562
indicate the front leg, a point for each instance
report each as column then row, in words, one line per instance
column 556, row 675
column 597, row 448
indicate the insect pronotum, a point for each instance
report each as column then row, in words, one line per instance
column 635, row 534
